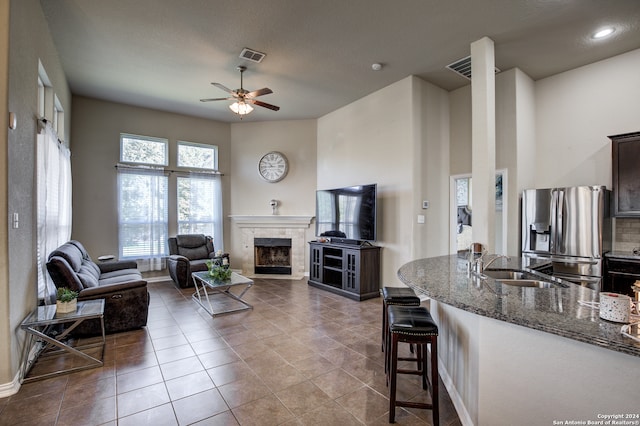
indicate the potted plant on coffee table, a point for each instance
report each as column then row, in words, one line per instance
column 219, row 273
column 66, row 300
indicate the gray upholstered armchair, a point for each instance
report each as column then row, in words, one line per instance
column 189, row 253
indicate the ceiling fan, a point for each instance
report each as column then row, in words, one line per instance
column 243, row 98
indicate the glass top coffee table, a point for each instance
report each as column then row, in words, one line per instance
column 216, row 297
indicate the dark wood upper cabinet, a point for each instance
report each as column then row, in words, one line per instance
column 625, row 151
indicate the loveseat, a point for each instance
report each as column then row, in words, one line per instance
column 189, row 253
column 118, row 282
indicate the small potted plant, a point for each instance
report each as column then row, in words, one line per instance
column 66, row 300
column 218, row 272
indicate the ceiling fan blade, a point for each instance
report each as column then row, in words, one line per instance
column 259, row 92
column 223, row 87
column 264, row 104
column 215, row 99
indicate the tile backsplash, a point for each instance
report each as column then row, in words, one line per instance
column 627, row 234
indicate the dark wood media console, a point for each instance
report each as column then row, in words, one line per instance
column 349, row 270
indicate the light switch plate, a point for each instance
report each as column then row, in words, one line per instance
column 420, row 218
column 425, row 204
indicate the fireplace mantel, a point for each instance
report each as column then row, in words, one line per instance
column 271, row 221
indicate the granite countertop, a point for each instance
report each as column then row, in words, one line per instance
column 552, row 310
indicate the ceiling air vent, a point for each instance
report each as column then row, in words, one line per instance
column 252, row 55
column 463, row 67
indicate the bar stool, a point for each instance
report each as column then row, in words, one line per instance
column 413, row 325
column 398, row 296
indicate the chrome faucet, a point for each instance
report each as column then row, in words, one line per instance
column 480, row 266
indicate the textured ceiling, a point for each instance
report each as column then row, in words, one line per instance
column 164, row 54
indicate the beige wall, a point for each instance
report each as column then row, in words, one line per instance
column 29, row 41
column 431, row 169
column 6, row 371
column 552, row 132
column 576, row 111
column 250, row 194
column 514, row 135
column 376, row 140
column 95, row 151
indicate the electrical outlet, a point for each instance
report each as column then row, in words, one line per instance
column 420, row 218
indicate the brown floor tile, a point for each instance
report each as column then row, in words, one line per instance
column 302, row 397
column 337, row 383
column 138, row 379
column 365, row 404
column 199, row 406
column 217, row 358
column 77, row 393
column 162, row 415
column 243, row 391
column 331, row 413
column 264, row 411
column 142, row 399
column 181, row 367
column 188, row 385
column 232, row 372
column 98, row 412
column 174, row 353
column 302, row 356
column 225, row 418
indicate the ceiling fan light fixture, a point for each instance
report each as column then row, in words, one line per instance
column 241, row 108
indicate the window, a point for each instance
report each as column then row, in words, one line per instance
column 40, row 97
column 143, row 215
column 58, row 117
column 196, row 203
column 199, row 196
column 197, row 156
column 144, row 150
column 143, row 198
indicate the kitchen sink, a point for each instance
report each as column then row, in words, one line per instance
column 528, row 283
column 508, row 275
column 520, row 279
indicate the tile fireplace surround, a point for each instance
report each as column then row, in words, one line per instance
column 274, row 226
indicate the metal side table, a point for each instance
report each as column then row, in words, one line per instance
column 47, row 331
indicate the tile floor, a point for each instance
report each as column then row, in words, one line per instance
column 302, row 356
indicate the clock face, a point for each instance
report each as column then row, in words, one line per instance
column 273, row 166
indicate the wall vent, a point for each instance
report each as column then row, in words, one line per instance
column 252, row 55
column 463, row 67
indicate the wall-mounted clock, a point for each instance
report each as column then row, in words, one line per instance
column 273, row 166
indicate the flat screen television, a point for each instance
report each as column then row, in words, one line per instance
column 347, row 214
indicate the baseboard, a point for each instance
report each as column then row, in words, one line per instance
column 157, row 279
column 8, row 389
column 458, row 404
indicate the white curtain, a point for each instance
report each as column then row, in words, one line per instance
column 218, row 234
column 53, row 182
column 200, row 206
column 143, row 216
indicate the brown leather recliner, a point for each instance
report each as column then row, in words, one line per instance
column 119, row 283
column 190, row 253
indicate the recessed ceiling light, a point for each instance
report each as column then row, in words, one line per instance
column 604, row 32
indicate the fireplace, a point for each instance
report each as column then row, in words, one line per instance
column 294, row 228
column 272, row 256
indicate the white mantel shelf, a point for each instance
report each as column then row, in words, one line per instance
column 271, row 221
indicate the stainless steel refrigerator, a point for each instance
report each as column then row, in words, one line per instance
column 569, row 227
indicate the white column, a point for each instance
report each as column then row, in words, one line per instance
column 483, row 137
